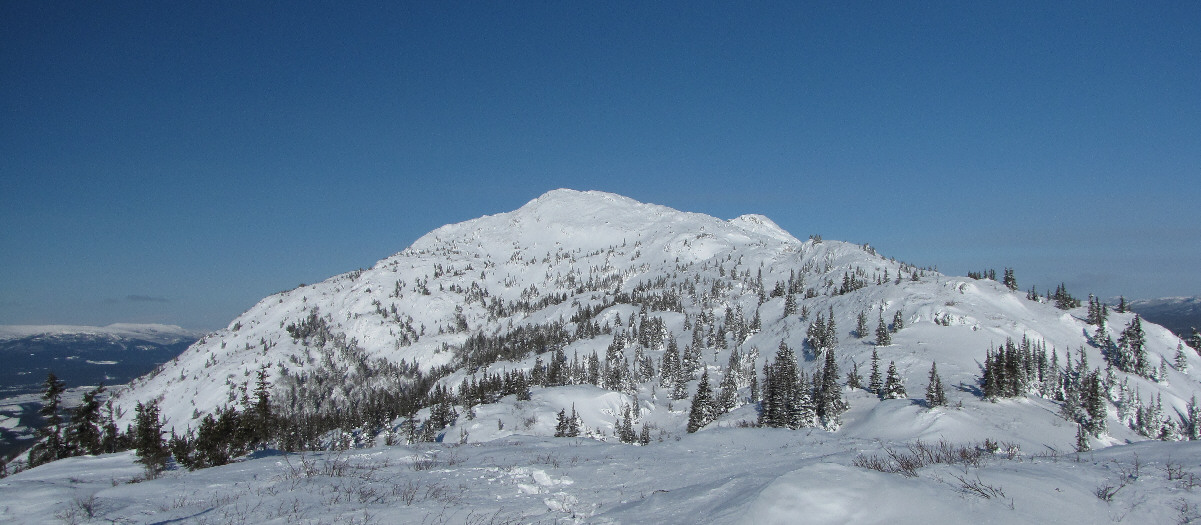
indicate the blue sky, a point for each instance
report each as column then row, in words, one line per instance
column 176, row 162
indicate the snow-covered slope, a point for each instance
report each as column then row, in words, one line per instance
column 569, row 260
column 751, row 476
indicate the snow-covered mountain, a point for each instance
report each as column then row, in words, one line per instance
column 584, row 271
column 1178, row 314
column 85, row 355
column 615, row 310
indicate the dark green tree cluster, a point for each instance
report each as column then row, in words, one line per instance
column 1130, row 352
column 148, row 443
column 1098, row 312
column 1015, row 370
column 85, row 430
column 791, row 401
column 567, row 426
column 1009, row 280
column 1063, row 300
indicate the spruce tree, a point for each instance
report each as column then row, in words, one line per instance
column 935, row 395
column 894, row 386
column 861, row 325
column 898, row 321
column 669, row 367
column 875, row 383
column 561, row 423
column 1009, row 280
column 573, row 425
column 84, row 432
column 51, row 445
column 698, row 413
column 1181, row 360
column 829, row 394
column 883, row 336
column 727, row 396
column 151, row 450
column 1132, row 345
column 854, row 380
column 262, row 421
column 1082, row 439
column 625, row 426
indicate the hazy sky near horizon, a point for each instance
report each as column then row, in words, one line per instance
column 176, row 162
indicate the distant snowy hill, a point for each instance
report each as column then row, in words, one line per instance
column 593, row 272
column 1178, row 314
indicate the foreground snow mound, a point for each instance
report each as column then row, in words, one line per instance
column 726, row 476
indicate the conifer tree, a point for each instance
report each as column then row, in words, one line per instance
column 829, row 394
column 790, row 305
column 262, row 420
column 83, row 432
column 1181, row 359
column 1009, row 280
column 883, row 336
column 669, row 367
column 151, row 450
column 875, row 383
column 561, row 423
column 679, row 388
column 1132, row 349
column 935, row 395
column 573, row 424
column 51, row 445
column 1081, row 439
column 854, row 380
column 781, row 390
column 894, row 386
column 1193, row 415
column 625, row 426
column 698, row 413
column 898, row 321
column 861, row 324
column 727, row 396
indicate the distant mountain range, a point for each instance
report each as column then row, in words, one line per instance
column 85, row 355
column 80, row 356
column 1178, row 314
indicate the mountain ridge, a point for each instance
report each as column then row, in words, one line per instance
column 569, row 261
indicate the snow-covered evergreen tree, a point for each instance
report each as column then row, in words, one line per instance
column 875, row 382
column 935, row 395
column 894, row 385
column 883, row 336
column 702, row 405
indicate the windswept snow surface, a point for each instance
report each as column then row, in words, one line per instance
column 751, row 476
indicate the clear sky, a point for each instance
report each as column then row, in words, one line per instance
column 175, row 162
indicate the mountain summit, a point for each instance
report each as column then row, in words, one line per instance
column 630, row 312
